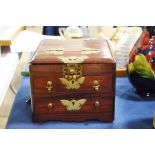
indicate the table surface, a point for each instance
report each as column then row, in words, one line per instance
column 131, row 111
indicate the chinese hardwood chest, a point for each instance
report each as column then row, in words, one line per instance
column 73, row 80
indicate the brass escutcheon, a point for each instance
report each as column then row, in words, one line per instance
column 49, row 86
column 96, row 85
column 50, row 105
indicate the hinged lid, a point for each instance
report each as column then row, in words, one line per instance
column 73, row 51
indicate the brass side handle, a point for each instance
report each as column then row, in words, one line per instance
column 97, row 104
column 50, row 105
column 96, row 85
column 49, row 86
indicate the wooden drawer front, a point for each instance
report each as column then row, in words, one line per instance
column 92, row 105
column 105, row 82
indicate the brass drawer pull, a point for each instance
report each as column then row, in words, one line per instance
column 97, row 104
column 96, row 85
column 49, row 86
column 50, row 105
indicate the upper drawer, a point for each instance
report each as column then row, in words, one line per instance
column 43, row 86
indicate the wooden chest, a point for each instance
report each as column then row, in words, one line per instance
column 73, row 80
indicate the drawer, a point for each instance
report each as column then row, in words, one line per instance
column 73, row 106
column 52, row 86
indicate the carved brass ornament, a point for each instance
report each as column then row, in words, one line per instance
column 72, row 76
column 73, row 105
column 57, row 51
column 49, row 86
column 89, row 51
column 72, row 59
column 96, row 85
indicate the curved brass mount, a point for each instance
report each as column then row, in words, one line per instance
column 72, row 76
column 73, row 105
column 49, row 86
column 96, row 85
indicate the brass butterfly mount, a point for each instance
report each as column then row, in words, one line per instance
column 73, row 105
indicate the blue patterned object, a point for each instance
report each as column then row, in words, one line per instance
column 153, row 60
column 131, row 111
column 145, row 52
column 139, row 50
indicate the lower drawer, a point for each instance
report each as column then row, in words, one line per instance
column 73, row 106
